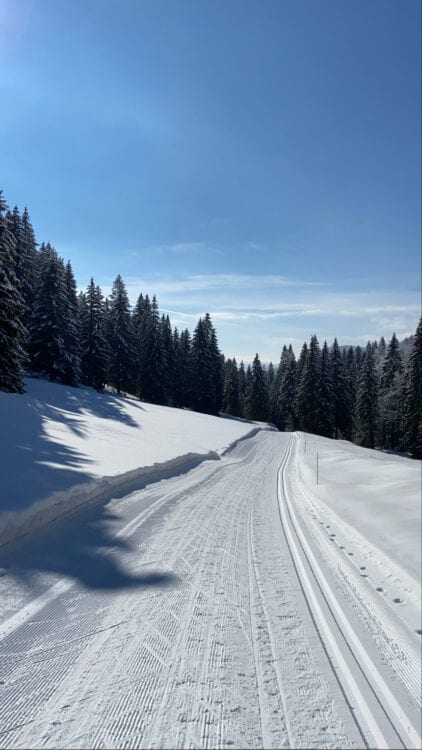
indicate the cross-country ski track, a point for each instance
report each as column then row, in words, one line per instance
column 237, row 617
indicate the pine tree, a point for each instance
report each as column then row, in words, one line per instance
column 367, row 401
column 94, row 350
column 413, row 397
column 342, row 407
column 257, row 394
column 13, row 334
column 309, row 389
column 48, row 318
column 120, row 338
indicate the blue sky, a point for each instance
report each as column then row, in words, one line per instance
column 257, row 160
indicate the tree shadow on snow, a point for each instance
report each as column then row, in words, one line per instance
column 83, row 548
column 37, row 464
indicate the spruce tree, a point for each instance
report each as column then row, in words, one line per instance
column 48, row 318
column 153, row 365
column 201, row 364
column 71, row 332
column 391, row 398
column 242, row 388
column 184, row 369
column 231, row 394
column 413, row 397
column 257, row 394
column 120, row 338
column 13, row 333
column 26, row 258
column 94, row 350
column 342, row 407
column 367, row 401
column 309, row 389
column 326, row 399
column 168, row 359
column 286, row 393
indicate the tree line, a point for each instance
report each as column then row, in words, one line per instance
column 47, row 329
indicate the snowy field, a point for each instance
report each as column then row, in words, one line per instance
column 58, row 443
column 237, row 604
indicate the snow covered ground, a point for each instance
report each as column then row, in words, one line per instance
column 236, row 605
column 58, row 443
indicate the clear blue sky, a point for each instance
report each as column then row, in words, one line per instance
column 257, row 160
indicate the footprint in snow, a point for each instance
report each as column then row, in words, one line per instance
column 380, row 588
column 397, row 600
column 362, row 567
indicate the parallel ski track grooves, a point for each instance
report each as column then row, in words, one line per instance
column 286, row 726
column 411, row 678
column 281, row 480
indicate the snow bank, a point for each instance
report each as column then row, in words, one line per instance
column 64, row 447
column 378, row 494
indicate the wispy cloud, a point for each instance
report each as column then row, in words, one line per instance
column 263, row 312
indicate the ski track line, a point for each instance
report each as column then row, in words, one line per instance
column 33, row 607
column 253, row 567
column 342, row 623
column 390, row 640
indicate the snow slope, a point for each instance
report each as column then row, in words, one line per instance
column 58, row 443
column 216, row 609
column 378, row 494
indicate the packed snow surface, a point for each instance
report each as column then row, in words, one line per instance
column 58, row 443
column 237, row 604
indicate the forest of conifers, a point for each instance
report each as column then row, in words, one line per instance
column 371, row 396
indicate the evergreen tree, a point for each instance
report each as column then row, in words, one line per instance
column 26, row 257
column 366, row 401
column 299, row 370
column 275, row 409
column 120, row 338
column 48, row 318
column 71, row 332
column 231, row 394
column 413, row 397
column 309, row 389
column 342, row 410
column 13, row 334
column 351, row 380
column 184, row 369
column 94, row 350
column 256, row 394
column 168, row 359
column 391, row 398
column 326, row 400
column 216, row 365
column 286, row 393
column 242, row 388
column 140, row 319
column 202, row 391
column 153, row 365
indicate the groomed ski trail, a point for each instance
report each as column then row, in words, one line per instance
column 219, row 642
